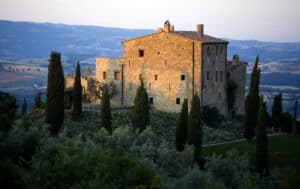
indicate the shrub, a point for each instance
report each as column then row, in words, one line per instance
column 229, row 169
column 212, row 117
column 70, row 163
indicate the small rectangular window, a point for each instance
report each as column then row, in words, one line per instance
column 207, row 75
column 104, row 75
column 155, row 77
column 169, row 87
column 140, row 76
column 216, row 75
column 220, row 96
column 149, row 85
column 151, row 100
column 129, row 63
column 221, row 76
column 141, row 53
column 182, row 77
column 177, row 100
column 117, row 75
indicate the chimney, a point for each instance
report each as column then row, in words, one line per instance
column 200, row 28
column 159, row 30
column 172, row 28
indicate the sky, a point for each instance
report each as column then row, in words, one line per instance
column 265, row 20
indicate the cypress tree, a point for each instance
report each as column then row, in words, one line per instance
column 182, row 127
column 24, row 107
column 295, row 117
column 252, row 103
column 8, row 108
column 277, row 111
column 77, row 94
column 55, row 94
column 105, row 110
column 262, row 157
column 195, row 128
column 141, row 111
column 37, row 100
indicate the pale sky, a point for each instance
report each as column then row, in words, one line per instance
column 266, row 20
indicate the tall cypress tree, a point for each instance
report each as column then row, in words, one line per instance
column 262, row 157
column 77, row 94
column 252, row 103
column 195, row 128
column 37, row 100
column 105, row 110
column 182, row 127
column 8, row 108
column 55, row 94
column 141, row 111
column 24, row 107
column 295, row 117
column 277, row 111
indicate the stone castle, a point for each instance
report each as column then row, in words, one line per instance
column 174, row 65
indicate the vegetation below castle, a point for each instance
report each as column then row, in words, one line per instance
column 84, row 155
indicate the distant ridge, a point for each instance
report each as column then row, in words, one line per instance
column 28, row 40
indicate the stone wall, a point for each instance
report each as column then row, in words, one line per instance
column 165, row 62
column 236, row 71
column 214, row 93
column 69, row 82
column 110, row 70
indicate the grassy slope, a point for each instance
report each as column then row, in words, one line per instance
column 284, row 153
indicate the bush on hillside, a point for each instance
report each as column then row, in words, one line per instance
column 212, row 117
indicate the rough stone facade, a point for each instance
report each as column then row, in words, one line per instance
column 236, row 71
column 174, row 65
column 110, row 70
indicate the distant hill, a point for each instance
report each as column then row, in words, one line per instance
column 28, row 40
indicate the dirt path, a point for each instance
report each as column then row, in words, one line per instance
column 240, row 140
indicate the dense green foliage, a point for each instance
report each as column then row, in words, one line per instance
column 277, row 111
column 231, row 88
column 77, row 94
column 105, row 110
column 8, row 108
column 95, row 90
column 295, row 117
column 84, row 148
column 88, row 71
column 24, row 107
column 141, row 111
column 195, row 128
column 252, row 103
column 262, row 156
column 283, row 156
column 182, row 127
column 212, row 117
column 55, row 93
column 38, row 101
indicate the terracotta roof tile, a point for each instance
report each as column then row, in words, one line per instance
column 205, row 38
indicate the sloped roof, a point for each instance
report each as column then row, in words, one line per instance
column 204, row 39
